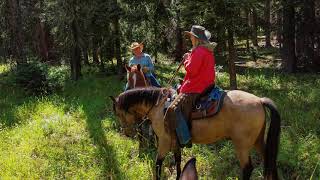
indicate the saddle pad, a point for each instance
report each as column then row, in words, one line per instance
column 212, row 108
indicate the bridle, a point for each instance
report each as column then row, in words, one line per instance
column 144, row 118
column 136, row 126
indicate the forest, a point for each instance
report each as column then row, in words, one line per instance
column 60, row 60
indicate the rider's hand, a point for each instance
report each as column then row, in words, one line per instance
column 145, row 69
column 185, row 56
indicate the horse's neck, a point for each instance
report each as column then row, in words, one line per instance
column 142, row 109
column 141, row 81
column 156, row 117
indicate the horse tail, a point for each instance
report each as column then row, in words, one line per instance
column 273, row 138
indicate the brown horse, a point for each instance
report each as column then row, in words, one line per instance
column 135, row 77
column 241, row 119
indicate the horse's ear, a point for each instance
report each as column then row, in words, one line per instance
column 139, row 67
column 128, row 68
column 113, row 99
column 189, row 171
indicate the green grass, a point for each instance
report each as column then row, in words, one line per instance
column 67, row 135
column 73, row 134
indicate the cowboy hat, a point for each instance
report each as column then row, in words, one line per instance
column 199, row 32
column 135, row 45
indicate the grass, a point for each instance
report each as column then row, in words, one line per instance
column 67, row 135
column 73, row 134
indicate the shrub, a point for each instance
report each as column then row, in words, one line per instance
column 32, row 77
column 36, row 78
column 56, row 77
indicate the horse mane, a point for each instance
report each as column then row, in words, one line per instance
column 149, row 96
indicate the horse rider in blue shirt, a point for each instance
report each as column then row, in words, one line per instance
column 145, row 61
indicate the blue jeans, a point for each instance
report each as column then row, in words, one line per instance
column 152, row 79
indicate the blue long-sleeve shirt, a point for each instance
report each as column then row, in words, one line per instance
column 144, row 61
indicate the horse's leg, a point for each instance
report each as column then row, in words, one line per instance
column 177, row 158
column 245, row 162
column 260, row 144
column 163, row 149
column 158, row 166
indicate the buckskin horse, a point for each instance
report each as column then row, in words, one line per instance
column 242, row 119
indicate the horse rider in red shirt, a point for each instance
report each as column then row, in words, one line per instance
column 200, row 74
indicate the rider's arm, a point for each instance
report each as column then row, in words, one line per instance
column 193, row 62
column 149, row 64
column 131, row 62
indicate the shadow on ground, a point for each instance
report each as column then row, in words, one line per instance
column 92, row 98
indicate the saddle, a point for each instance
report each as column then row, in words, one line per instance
column 209, row 103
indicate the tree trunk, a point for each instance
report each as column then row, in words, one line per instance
column 179, row 45
column 165, row 45
column 41, row 32
column 42, row 41
column 109, row 48
column 317, row 56
column 279, row 27
column 95, row 50
column 288, row 51
column 102, row 68
column 117, row 49
column 254, row 28
column 317, row 34
column 179, row 39
column 248, row 31
column 85, row 56
column 299, row 39
column 267, row 22
column 221, row 40
column 76, row 52
column 231, row 59
column 15, row 25
column 100, row 56
column 156, row 32
column 2, row 49
column 308, row 34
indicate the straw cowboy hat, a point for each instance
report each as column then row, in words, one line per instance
column 136, row 45
column 199, row 32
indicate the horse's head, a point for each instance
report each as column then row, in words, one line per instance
column 127, row 120
column 132, row 106
column 135, row 77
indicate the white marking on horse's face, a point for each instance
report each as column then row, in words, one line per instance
column 134, row 77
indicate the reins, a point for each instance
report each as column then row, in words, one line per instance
column 176, row 72
column 135, row 125
column 145, row 117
